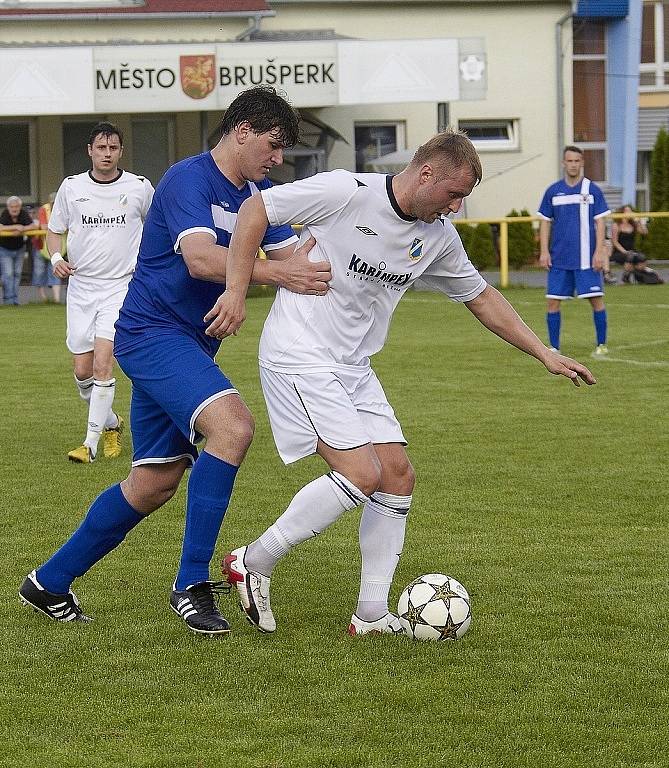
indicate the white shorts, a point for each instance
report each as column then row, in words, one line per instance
column 92, row 310
column 343, row 410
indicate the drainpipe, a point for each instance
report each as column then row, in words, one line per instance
column 254, row 26
column 560, row 83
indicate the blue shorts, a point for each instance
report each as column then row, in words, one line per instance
column 173, row 380
column 567, row 283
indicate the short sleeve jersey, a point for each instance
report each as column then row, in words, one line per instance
column 103, row 221
column 573, row 212
column 193, row 196
column 376, row 252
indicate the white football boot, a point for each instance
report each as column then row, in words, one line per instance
column 386, row 625
column 253, row 589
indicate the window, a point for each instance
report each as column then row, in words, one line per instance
column 589, row 95
column 589, row 37
column 648, row 34
column 589, row 101
column 492, row 135
column 152, row 147
column 654, row 69
column 373, row 140
column 75, row 145
column 16, row 172
column 643, row 181
column 594, row 161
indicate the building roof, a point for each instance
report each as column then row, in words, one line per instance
column 151, row 9
column 261, row 35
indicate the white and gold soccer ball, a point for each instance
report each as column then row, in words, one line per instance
column 435, row 607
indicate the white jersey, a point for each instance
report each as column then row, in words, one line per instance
column 376, row 253
column 103, row 221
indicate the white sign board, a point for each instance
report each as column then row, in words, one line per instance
column 46, row 81
column 306, row 71
column 208, row 76
column 373, row 72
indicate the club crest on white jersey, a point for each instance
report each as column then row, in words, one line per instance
column 416, row 250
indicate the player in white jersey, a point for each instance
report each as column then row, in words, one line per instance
column 102, row 211
column 379, row 234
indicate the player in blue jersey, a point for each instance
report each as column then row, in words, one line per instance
column 179, row 395
column 573, row 211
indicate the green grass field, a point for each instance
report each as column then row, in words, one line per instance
column 547, row 501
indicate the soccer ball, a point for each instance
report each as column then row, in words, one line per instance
column 435, row 607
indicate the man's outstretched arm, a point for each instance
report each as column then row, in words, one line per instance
column 495, row 312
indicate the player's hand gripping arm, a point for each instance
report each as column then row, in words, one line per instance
column 288, row 267
column 495, row 312
column 229, row 312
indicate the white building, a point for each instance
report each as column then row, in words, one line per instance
column 370, row 78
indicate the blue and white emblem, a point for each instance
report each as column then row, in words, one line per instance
column 416, row 250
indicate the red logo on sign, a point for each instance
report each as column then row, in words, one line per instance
column 197, row 75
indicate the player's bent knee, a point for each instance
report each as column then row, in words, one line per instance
column 406, row 479
column 366, row 478
column 149, row 486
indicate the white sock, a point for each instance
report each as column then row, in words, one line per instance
column 382, row 528
column 312, row 510
column 99, row 410
column 85, row 387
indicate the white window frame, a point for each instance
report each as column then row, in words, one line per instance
column 31, row 198
column 398, row 125
column 509, row 144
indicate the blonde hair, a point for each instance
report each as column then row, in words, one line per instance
column 449, row 150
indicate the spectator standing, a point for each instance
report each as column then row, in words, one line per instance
column 573, row 213
column 102, row 210
column 14, row 221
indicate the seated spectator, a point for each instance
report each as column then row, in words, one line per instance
column 43, row 276
column 14, row 221
column 624, row 241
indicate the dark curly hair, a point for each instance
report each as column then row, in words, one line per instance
column 265, row 109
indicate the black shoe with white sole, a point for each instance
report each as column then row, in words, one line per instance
column 198, row 608
column 57, row 607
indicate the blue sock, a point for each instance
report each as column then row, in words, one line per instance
column 109, row 520
column 553, row 320
column 600, row 325
column 209, row 490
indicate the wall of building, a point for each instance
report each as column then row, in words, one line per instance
column 521, row 57
column 521, row 75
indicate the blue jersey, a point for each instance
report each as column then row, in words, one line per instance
column 573, row 211
column 193, row 196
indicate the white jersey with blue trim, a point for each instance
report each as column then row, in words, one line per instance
column 193, row 196
column 376, row 252
column 103, row 221
column 573, row 212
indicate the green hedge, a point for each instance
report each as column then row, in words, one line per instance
column 522, row 245
column 477, row 240
column 656, row 244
